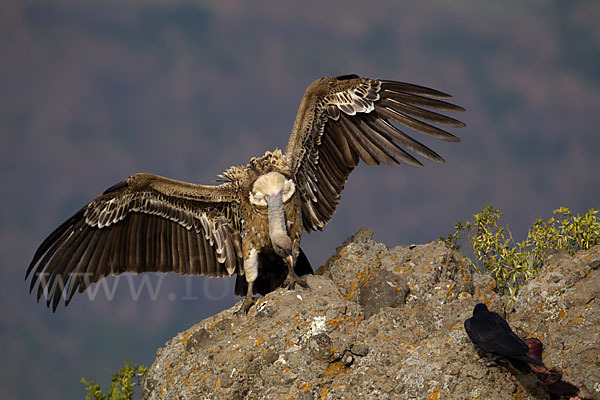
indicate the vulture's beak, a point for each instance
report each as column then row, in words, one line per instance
column 290, row 261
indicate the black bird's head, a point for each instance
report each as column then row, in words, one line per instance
column 480, row 309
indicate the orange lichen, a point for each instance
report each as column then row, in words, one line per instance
column 305, row 386
column 335, row 369
column 435, row 395
column 186, row 338
column 456, row 326
column 344, row 320
column 321, row 270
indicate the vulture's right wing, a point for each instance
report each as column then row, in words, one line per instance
column 146, row 223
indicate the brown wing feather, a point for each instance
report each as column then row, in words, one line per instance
column 146, row 223
column 347, row 118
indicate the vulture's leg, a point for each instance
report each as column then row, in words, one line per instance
column 251, row 272
column 248, row 301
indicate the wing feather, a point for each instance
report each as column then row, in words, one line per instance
column 192, row 244
column 86, row 275
column 95, row 270
column 421, row 101
column 337, row 156
column 346, row 119
column 403, row 139
column 183, row 259
column 326, row 176
column 51, row 248
column 336, row 133
column 146, row 223
column 404, row 87
column 75, row 265
column 415, row 124
column 209, row 254
column 130, row 252
column 386, row 143
column 354, row 135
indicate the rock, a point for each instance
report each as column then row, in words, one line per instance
column 196, row 340
column 320, row 347
column 359, row 349
column 388, row 323
column 382, row 289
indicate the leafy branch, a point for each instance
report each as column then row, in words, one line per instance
column 512, row 263
column 121, row 386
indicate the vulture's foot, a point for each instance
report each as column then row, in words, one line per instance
column 248, row 302
column 293, row 279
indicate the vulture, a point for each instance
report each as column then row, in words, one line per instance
column 251, row 222
column 492, row 333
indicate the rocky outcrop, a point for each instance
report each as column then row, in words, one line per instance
column 388, row 323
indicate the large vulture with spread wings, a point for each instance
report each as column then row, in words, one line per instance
column 252, row 223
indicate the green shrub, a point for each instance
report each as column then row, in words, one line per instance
column 121, row 385
column 512, row 263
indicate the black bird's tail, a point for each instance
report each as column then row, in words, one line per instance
column 522, row 363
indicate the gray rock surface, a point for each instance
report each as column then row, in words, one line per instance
column 381, row 323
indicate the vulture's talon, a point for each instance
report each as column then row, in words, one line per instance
column 293, row 279
column 245, row 307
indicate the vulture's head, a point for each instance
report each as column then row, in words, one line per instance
column 270, row 186
column 272, row 190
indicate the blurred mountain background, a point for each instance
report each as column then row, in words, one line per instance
column 95, row 91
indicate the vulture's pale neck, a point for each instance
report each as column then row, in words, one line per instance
column 282, row 244
column 276, row 215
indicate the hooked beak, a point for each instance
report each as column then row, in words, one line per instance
column 290, row 261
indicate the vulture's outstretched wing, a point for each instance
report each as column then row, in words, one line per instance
column 146, row 223
column 345, row 119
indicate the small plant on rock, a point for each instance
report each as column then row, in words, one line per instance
column 121, row 386
column 512, row 263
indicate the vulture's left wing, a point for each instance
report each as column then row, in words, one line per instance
column 344, row 119
column 146, row 223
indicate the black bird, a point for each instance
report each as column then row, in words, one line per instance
column 492, row 333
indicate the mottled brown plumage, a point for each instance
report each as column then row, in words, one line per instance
column 150, row 223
